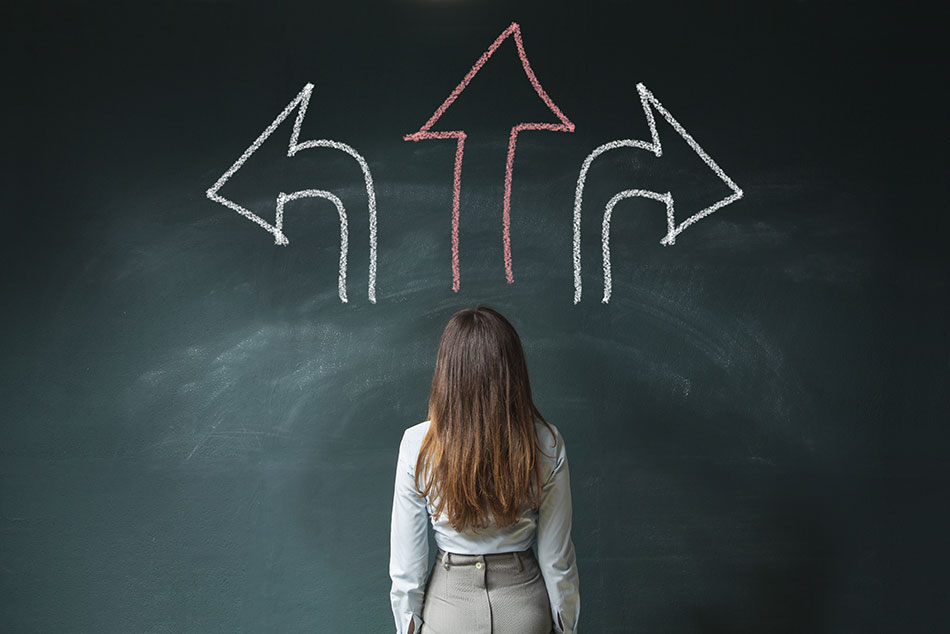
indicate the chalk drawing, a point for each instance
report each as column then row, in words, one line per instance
column 608, row 212
column 302, row 100
column 647, row 100
column 425, row 132
column 283, row 198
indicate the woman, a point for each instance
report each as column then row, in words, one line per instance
column 491, row 476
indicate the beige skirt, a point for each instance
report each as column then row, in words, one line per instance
column 500, row 593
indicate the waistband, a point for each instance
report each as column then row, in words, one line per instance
column 460, row 559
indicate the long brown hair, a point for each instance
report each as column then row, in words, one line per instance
column 479, row 457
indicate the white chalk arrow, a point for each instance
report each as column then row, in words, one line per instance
column 649, row 103
column 301, row 101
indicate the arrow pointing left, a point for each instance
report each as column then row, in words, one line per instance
column 301, row 101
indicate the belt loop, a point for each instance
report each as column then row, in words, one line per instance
column 518, row 559
column 445, row 560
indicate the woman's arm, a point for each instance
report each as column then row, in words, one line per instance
column 555, row 546
column 408, row 545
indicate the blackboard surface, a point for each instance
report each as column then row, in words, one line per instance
column 198, row 435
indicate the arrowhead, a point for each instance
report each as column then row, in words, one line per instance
column 514, row 30
column 651, row 103
column 302, row 100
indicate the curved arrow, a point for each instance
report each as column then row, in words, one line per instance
column 425, row 132
column 283, row 198
column 666, row 198
column 303, row 100
column 647, row 100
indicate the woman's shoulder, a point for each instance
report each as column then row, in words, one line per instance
column 550, row 442
column 548, row 434
column 550, row 447
column 416, row 433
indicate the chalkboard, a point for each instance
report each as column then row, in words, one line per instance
column 202, row 405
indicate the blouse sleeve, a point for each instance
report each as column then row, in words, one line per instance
column 408, row 545
column 555, row 546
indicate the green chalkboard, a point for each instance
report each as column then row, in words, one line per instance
column 200, row 435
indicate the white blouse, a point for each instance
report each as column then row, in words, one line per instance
column 550, row 527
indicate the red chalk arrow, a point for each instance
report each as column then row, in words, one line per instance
column 426, row 132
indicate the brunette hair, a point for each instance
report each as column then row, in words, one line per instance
column 478, row 458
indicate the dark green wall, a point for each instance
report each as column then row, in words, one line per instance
column 198, row 436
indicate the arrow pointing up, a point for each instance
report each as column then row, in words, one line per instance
column 425, row 132
column 302, row 100
column 649, row 102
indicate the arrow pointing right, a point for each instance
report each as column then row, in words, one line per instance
column 647, row 100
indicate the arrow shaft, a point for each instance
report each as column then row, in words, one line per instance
column 456, row 202
column 608, row 213
column 283, row 199
column 579, row 197
column 370, row 192
column 509, row 172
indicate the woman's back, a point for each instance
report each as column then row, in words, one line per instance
column 493, row 539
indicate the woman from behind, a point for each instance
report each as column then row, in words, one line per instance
column 491, row 476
